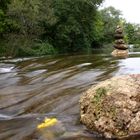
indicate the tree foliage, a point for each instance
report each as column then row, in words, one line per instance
column 75, row 26
column 65, row 25
column 133, row 33
column 111, row 18
column 40, row 27
column 3, row 8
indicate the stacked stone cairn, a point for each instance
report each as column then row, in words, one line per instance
column 121, row 49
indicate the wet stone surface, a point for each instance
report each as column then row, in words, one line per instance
column 112, row 107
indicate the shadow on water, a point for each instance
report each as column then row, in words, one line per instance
column 35, row 88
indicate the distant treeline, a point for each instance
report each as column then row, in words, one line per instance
column 41, row 27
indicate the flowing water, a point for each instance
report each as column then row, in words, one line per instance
column 32, row 89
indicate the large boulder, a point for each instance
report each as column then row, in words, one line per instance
column 121, row 46
column 112, row 107
column 120, row 53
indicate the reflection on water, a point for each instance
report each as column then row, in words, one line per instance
column 35, row 88
column 130, row 66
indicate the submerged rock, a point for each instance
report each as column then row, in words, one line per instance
column 112, row 107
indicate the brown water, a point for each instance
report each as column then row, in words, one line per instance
column 34, row 88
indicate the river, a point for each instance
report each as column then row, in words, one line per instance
column 32, row 89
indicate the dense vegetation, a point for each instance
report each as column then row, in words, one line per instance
column 41, row 27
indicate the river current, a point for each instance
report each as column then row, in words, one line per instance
column 32, row 89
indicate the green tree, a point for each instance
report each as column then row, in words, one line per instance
column 4, row 4
column 133, row 33
column 111, row 17
column 3, row 9
column 49, row 25
column 24, row 21
column 25, row 15
column 75, row 27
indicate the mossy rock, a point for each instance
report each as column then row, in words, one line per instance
column 112, row 107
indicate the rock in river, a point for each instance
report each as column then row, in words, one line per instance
column 121, row 49
column 112, row 108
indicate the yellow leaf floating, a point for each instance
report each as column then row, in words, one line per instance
column 48, row 122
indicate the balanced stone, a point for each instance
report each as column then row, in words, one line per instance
column 119, row 41
column 119, row 36
column 121, row 49
column 120, row 53
column 119, row 30
column 121, row 46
